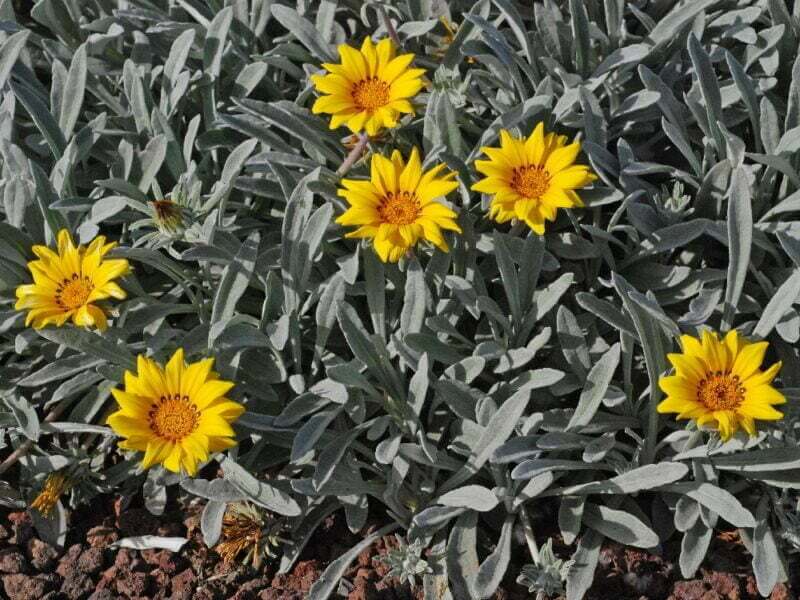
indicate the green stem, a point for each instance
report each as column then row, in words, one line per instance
column 390, row 27
column 354, row 155
column 533, row 547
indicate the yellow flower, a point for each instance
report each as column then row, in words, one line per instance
column 532, row 178
column 67, row 284
column 369, row 89
column 177, row 415
column 54, row 486
column 397, row 207
column 719, row 383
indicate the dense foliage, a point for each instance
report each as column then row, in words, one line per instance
column 446, row 395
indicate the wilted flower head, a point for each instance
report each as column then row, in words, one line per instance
column 168, row 215
column 247, row 529
column 54, row 487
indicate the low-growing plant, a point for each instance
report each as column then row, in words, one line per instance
column 435, row 265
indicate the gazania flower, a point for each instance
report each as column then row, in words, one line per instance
column 398, row 207
column 247, row 529
column 67, row 284
column 177, row 415
column 54, row 487
column 532, row 178
column 369, row 89
column 720, row 384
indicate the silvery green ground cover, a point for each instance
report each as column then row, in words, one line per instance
column 448, row 394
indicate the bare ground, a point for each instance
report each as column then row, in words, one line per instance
column 87, row 568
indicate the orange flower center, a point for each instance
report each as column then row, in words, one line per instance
column 530, row 181
column 370, row 94
column 720, row 391
column 400, row 208
column 173, row 417
column 73, row 293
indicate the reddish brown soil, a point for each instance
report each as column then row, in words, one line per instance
column 87, row 568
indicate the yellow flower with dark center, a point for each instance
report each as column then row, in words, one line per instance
column 177, row 415
column 370, row 89
column 54, row 487
column 531, row 178
column 397, row 207
column 67, row 284
column 720, row 384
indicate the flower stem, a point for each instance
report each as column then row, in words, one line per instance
column 354, row 155
column 387, row 22
column 22, row 450
column 528, row 529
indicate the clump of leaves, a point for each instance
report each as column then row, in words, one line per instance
column 547, row 575
column 405, row 561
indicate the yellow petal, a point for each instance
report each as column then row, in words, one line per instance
column 758, row 410
column 174, row 371
column 749, row 360
column 562, row 158
column 173, row 460
column 157, row 451
column 411, row 174
column 210, row 391
column 534, row 145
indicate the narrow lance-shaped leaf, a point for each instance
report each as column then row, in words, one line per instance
column 709, row 88
column 597, row 383
column 73, row 92
column 780, row 303
column 581, row 573
column 492, row 570
column 232, row 285
column 9, row 52
column 620, row 526
column 766, row 556
column 740, row 240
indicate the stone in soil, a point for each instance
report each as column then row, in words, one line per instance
column 183, row 585
column 77, row 585
column 91, row 561
column 250, row 589
column 168, row 562
column 302, row 577
column 23, row 587
column 67, row 563
column 21, row 528
column 274, row 594
column 101, row 536
column 42, row 555
column 133, row 583
column 12, row 561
